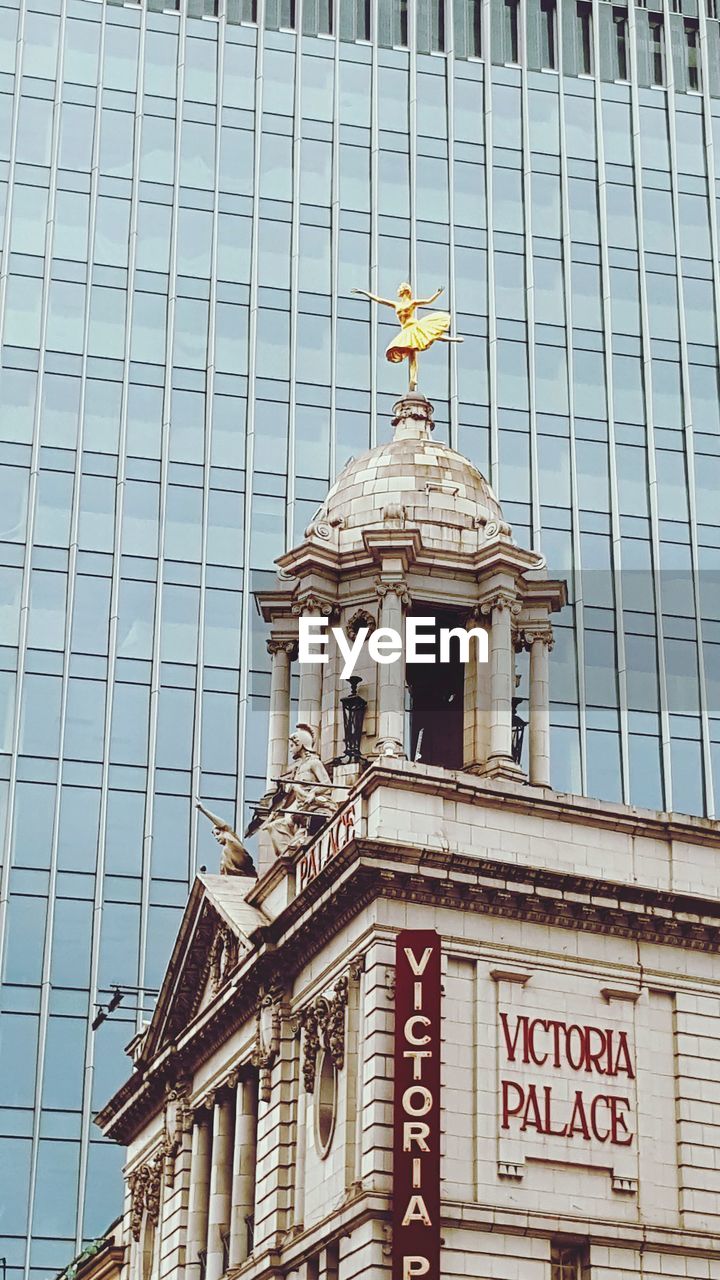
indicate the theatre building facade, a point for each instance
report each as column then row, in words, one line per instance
column 460, row 1025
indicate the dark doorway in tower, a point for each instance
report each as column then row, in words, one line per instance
column 435, row 696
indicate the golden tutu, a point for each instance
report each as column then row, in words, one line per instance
column 417, row 335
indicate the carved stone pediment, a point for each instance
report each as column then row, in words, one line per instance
column 212, row 942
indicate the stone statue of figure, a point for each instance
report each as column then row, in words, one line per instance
column 236, row 860
column 303, row 793
column 415, row 335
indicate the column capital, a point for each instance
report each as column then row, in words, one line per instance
column 282, row 646
column 501, row 599
column 393, row 586
column 312, row 602
column 529, row 632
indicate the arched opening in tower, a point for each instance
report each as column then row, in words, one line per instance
column 435, row 701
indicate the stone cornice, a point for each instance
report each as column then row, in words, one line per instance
column 542, row 802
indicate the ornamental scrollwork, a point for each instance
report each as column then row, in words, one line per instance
column 145, row 1189
column 268, row 1017
column 384, row 587
column 223, row 956
column 323, row 1025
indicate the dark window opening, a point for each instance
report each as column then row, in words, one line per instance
column 569, row 1262
column 657, row 48
column 692, row 44
column 620, row 21
column 438, row 26
column 402, row 24
column 436, row 696
column 584, row 13
column 512, row 41
column 355, row 20
column 548, row 59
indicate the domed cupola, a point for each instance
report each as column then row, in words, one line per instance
column 416, row 480
column 411, row 530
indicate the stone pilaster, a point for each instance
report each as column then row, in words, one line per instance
column 501, row 605
column 540, row 643
column 243, row 1183
column 199, row 1202
column 311, row 673
column 220, row 1185
column 281, row 654
column 394, row 598
column 476, row 721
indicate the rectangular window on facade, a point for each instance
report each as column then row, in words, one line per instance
column 656, row 34
column 467, row 19
column 430, row 26
column 505, row 33
column 569, row 1262
column 280, row 15
column 355, row 20
column 318, row 17
column 692, row 50
column 620, row 21
column 585, row 37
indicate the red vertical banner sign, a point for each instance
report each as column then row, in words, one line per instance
column 416, row 1107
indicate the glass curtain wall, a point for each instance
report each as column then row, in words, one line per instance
column 187, row 196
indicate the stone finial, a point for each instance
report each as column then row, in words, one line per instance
column 413, row 417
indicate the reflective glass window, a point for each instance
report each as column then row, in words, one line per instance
column 140, row 518
column 54, row 508
column 117, row 142
column 29, row 220
column 136, row 611
column 46, row 621
column 91, row 613
column 66, row 316
column 153, row 236
column 112, row 226
column 149, row 321
column 40, row 45
column 236, row 160
column 107, row 322
column 176, row 713
column 231, row 338
column 33, row 824
column 97, row 513
column 23, row 301
column 76, row 137
column 183, row 523
column 121, row 57
column 60, row 411
column 157, row 150
column 10, row 588
column 40, row 715
column 129, row 726
column 161, row 63
column 81, row 48
column 191, row 332
column 71, row 225
column 72, row 932
column 200, row 70
column 197, row 155
column 18, row 390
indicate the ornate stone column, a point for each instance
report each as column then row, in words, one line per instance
column 243, row 1182
column 197, row 1228
column 311, row 673
column 502, row 681
column 540, row 642
column 394, row 596
column 476, row 720
column 220, row 1185
column 281, row 652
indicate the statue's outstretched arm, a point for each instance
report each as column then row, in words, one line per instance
column 374, row 297
column 427, row 302
column 220, row 823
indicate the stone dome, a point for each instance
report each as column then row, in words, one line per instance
column 412, row 482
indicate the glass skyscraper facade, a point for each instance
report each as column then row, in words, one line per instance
column 189, row 195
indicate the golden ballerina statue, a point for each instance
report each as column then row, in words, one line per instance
column 415, row 335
